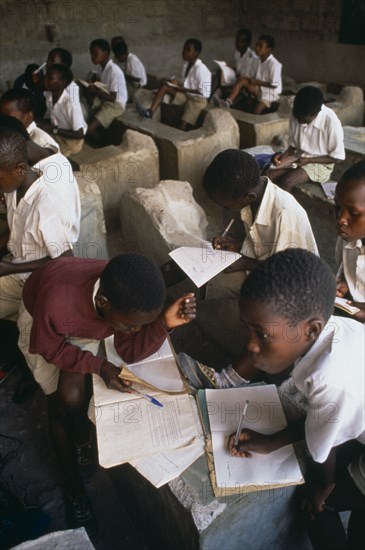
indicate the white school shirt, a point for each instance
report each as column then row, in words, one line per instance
column 198, row 78
column 66, row 113
column 133, row 66
column 41, row 138
column 245, row 64
column 46, row 221
column 331, row 375
column 269, row 71
column 113, row 77
column 323, row 136
column 351, row 256
column 280, row 223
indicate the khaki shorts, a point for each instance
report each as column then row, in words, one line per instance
column 193, row 106
column 11, row 289
column 106, row 111
column 69, row 146
column 46, row 374
column 318, row 172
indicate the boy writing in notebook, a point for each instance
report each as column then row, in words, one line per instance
column 192, row 91
column 266, row 84
column 107, row 102
column 132, row 67
column 315, row 140
column 286, row 305
column 69, row 307
column 350, row 206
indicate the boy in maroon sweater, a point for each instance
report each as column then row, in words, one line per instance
column 69, row 306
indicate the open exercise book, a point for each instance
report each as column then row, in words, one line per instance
column 341, row 303
column 160, row 442
column 229, row 75
column 202, row 263
column 265, row 415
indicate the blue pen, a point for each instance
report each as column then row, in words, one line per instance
column 149, row 397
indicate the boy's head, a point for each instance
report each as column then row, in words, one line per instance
column 20, row 104
column 120, row 51
column 243, row 40
column 285, row 303
column 115, row 41
column 13, row 158
column 99, row 51
column 58, row 77
column 59, row 56
column 191, row 49
column 307, row 104
column 232, row 178
column 131, row 293
column 350, row 203
column 264, row 46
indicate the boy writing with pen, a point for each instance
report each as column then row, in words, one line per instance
column 286, row 305
column 68, row 309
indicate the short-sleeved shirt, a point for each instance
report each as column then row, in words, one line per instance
column 269, row 71
column 113, row 77
column 245, row 64
column 323, row 136
column 351, row 257
column 46, row 221
column 66, row 113
column 41, row 138
column 331, row 376
column 199, row 78
column 280, row 223
column 133, row 66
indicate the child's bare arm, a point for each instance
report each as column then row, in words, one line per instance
column 319, row 485
column 324, row 159
column 8, row 268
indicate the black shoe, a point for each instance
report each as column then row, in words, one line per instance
column 80, row 513
column 84, row 455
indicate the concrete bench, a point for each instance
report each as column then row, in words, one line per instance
column 116, row 170
column 354, row 139
column 349, row 106
column 184, row 156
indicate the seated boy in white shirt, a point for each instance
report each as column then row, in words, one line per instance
column 192, row 91
column 265, row 86
column 315, row 140
column 350, row 203
column 108, row 97
column 22, row 105
column 67, row 121
column 132, row 67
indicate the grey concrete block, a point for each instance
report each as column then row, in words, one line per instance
column 349, row 106
column 116, row 170
column 260, row 129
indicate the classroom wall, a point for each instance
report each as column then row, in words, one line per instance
column 306, row 33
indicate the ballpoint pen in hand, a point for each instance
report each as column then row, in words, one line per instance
column 239, row 429
column 146, row 396
column 227, row 228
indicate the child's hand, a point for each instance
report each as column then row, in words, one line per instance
column 181, row 312
column 315, row 497
column 277, row 159
column 227, row 243
column 250, row 442
column 109, row 373
column 360, row 315
column 341, row 288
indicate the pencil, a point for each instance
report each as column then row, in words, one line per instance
column 239, row 429
column 227, row 228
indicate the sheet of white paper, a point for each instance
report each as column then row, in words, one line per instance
column 229, row 74
column 265, row 415
column 202, row 263
column 341, row 303
column 131, row 429
column 329, row 188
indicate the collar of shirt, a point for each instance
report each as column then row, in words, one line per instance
column 96, row 288
column 33, row 189
column 267, row 59
column 107, row 65
column 31, row 127
column 318, row 121
column 264, row 213
column 356, row 244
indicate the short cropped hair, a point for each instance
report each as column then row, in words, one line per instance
column 12, row 123
column 13, row 148
column 295, row 283
column 269, row 39
column 132, row 282
column 100, row 43
column 198, row 46
column 245, row 32
column 231, row 174
column 355, row 173
column 24, row 99
column 120, row 48
column 308, row 101
column 65, row 55
column 64, row 71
